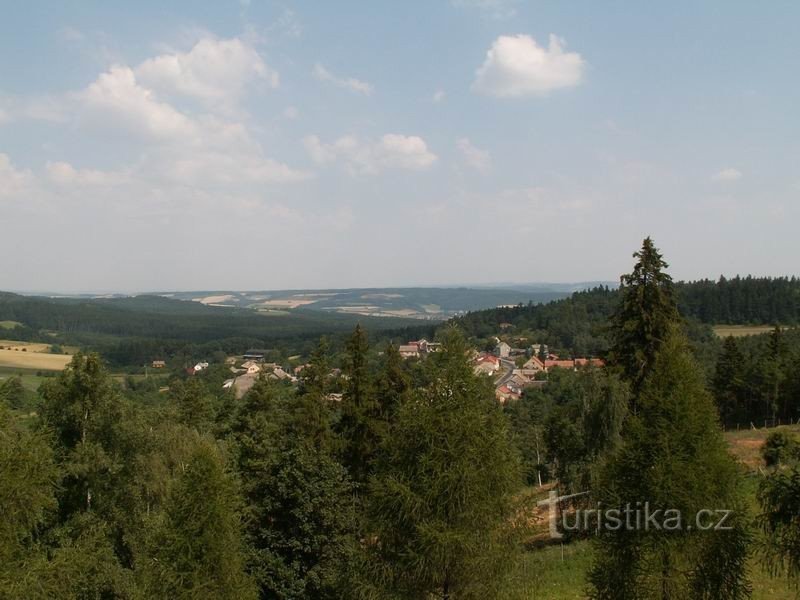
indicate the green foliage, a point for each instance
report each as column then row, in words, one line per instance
column 13, row 393
column 644, row 317
column 781, row 447
column 728, row 384
column 299, row 505
column 779, row 497
column 674, row 458
column 194, row 547
column 83, row 410
column 360, row 427
column 442, row 497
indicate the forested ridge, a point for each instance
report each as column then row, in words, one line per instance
column 579, row 323
column 135, row 330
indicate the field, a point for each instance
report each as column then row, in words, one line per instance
column 30, row 355
column 741, row 330
column 9, row 324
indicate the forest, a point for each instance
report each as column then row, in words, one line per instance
column 405, row 479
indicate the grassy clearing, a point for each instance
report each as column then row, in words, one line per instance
column 746, row 444
column 9, row 324
column 741, row 330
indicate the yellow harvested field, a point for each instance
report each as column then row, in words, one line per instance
column 31, row 355
column 741, row 330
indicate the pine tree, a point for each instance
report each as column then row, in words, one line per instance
column 441, row 500
column 360, row 428
column 311, row 418
column 728, row 382
column 393, row 383
column 673, row 457
column 644, row 316
column 298, row 513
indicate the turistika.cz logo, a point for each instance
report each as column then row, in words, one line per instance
column 638, row 516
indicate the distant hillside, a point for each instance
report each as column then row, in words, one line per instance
column 136, row 329
column 416, row 303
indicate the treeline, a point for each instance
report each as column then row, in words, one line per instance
column 578, row 324
column 742, row 300
column 757, row 379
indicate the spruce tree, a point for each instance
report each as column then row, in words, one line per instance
column 393, row 383
column 728, row 382
column 673, row 457
column 644, row 317
column 360, row 426
column 441, row 501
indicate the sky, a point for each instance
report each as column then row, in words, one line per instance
column 200, row 145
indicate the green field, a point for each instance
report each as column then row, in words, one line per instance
column 9, row 324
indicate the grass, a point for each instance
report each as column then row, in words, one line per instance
column 9, row 324
column 30, row 379
column 741, row 330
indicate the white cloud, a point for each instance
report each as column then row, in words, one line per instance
column 178, row 148
column 517, row 66
column 63, row 173
column 439, row 96
column 117, row 98
column 391, row 151
column 12, row 180
column 478, row 159
column 4, row 116
column 350, row 83
column 291, row 112
column 214, row 71
column 729, row 174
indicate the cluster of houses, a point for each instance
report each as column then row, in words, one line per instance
column 246, row 373
column 418, row 348
column 511, row 379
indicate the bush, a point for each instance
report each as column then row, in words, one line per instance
column 780, row 447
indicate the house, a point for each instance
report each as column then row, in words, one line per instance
column 159, row 364
column 200, row 366
column 251, row 367
column 505, row 393
column 505, row 326
column 409, row 351
column 227, row 384
column 486, row 364
column 534, row 364
column 254, row 354
column 502, row 350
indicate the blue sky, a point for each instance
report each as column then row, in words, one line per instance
column 265, row 145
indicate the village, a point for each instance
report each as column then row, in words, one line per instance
column 511, row 369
